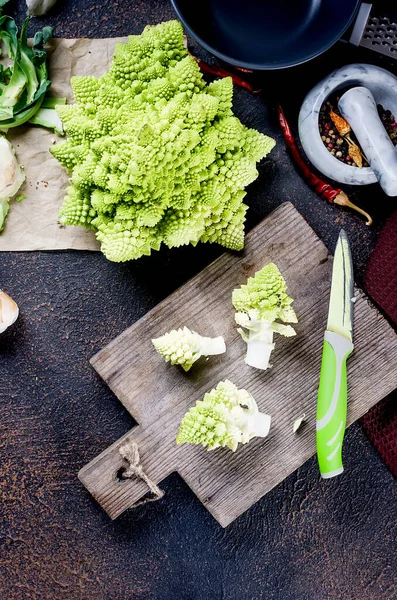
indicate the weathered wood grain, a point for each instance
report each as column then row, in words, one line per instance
column 158, row 395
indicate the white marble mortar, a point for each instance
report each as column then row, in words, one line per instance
column 383, row 86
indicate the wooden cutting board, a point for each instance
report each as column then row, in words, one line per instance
column 157, row 394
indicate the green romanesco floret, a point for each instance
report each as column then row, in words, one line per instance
column 85, row 89
column 156, row 155
column 259, row 304
column 226, row 416
column 76, row 208
column 183, row 347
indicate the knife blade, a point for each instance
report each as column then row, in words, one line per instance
column 338, row 345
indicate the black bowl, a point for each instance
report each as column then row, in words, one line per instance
column 264, row 34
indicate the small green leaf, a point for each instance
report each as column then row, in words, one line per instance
column 42, row 37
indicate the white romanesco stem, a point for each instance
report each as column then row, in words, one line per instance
column 260, row 345
column 260, row 425
column 210, row 346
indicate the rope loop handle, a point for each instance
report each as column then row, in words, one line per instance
column 130, row 453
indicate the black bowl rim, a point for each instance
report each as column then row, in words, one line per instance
column 262, row 66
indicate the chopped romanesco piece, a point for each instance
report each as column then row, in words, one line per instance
column 153, row 135
column 183, row 347
column 259, row 304
column 226, row 416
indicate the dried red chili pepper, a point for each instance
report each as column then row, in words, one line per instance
column 219, row 72
column 323, row 189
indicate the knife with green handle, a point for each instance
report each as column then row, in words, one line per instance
column 338, row 345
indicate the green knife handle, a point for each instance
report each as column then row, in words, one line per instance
column 332, row 404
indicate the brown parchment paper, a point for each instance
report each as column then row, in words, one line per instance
column 33, row 224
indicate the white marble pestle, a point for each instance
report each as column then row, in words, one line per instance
column 358, row 107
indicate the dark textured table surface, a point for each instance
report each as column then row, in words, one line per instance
column 305, row 540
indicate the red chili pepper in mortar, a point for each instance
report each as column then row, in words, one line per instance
column 323, row 189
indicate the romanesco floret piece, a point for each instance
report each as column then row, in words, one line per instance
column 76, row 209
column 186, row 76
column 230, row 132
column 226, row 224
column 149, row 215
column 181, row 227
column 124, row 240
column 168, row 36
column 231, row 235
column 105, row 202
column 183, row 347
column 222, row 89
column 69, row 154
column 226, row 416
column 85, row 88
column 155, row 154
column 257, row 145
column 259, row 304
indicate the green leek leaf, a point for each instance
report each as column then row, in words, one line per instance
column 23, row 84
column 21, row 117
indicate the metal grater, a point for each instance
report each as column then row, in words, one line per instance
column 375, row 33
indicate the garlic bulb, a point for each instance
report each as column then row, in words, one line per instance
column 9, row 311
column 39, row 7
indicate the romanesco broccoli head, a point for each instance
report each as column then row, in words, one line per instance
column 155, row 154
column 226, row 417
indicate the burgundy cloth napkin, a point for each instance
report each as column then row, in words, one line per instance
column 380, row 423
